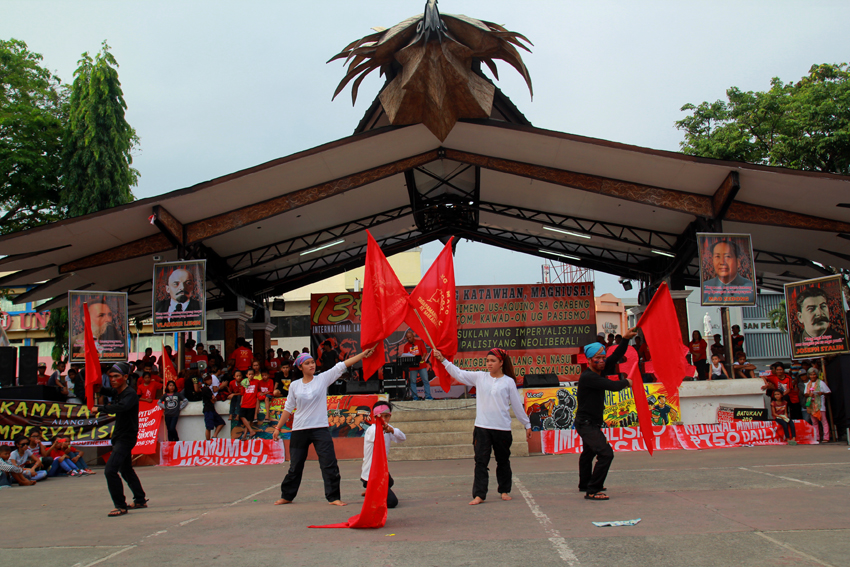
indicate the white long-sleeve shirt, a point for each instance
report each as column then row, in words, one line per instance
column 311, row 400
column 493, row 398
column 397, row 436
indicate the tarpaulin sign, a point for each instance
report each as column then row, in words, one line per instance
column 221, row 452
column 150, row 417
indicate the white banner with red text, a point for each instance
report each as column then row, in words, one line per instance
column 150, row 416
column 221, row 452
column 692, row 437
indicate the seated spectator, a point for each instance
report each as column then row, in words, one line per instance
column 212, row 421
column 76, row 457
column 37, row 449
column 148, row 389
column 171, row 402
column 61, row 461
column 281, row 388
column 718, row 371
column 216, row 382
column 223, row 392
column 9, row 471
column 57, row 380
column 76, row 387
column 779, row 413
column 149, row 359
column 23, row 458
column 777, row 380
column 742, row 368
column 42, row 377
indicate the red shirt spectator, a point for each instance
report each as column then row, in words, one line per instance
column 42, row 377
column 698, row 349
column 188, row 357
column 416, row 348
column 243, row 357
column 250, row 393
column 148, row 391
column 273, row 364
column 236, row 388
column 265, row 388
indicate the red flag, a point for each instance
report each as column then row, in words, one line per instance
column 169, row 373
column 644, row 416
column 660, row 327
column 373, row 514
column 382, row 307
column 434, row 301
column 93, row 374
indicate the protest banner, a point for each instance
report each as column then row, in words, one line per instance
column 150, row 417
column 554, row 408
column 348, row 416
column 221, row 452
column 108, row 314
column 815, row 316
column 179, row 296
column 727, row 270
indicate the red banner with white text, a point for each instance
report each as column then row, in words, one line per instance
column 221, row 452
column 710, row 436
column 150, row 416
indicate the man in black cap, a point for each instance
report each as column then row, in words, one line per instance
column 125, row 407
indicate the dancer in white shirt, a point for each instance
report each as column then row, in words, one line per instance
column 309, row 396
column 496, row 393
column 392, row 434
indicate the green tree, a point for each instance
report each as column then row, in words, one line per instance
column 778, row 316
column 98, row 141
column 57, row 327
column 803, row 125
column 33, row 110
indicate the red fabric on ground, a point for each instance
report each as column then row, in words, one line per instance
column 373, row 514
column 434, row 301
column 383, row 306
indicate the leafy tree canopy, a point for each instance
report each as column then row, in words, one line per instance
column 33, row 109
column 98, row 139
column 803, row 125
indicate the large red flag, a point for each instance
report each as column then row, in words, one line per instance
column 434, row 301
column 169, row 373
column 373, row 514
column 632, row 370
column 660, row 327
column 93, row 373
column 383, row 306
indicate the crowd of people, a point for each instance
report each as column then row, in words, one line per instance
column 32, row 460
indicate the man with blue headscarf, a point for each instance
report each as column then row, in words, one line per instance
column 592, row 385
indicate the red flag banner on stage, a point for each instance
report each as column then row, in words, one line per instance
column 660, row 327
column 434, row 301
column 169, row 373
column 373, row 514
column 383, row 306
column 93, row 373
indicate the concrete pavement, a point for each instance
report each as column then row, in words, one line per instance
column 744, row 506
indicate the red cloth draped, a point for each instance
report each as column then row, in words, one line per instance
column 382, row 307
column 434, row 300
column 660, row 327
column 373, row 514
column 93, row 373
column 644, row 416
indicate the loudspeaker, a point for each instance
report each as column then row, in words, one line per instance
column 372, row 386
column 27, row 366
column 391, row 371
column 8, row 363
column 541, row 381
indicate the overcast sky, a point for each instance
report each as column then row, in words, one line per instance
column 215, row 87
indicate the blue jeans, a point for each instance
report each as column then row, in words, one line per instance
column 423, row 373
column 39, row 475
column 66, row 465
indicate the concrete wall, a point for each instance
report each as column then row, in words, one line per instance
column 699, row 400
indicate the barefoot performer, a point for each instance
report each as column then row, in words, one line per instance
column 496, row 393
column 309, row 396
column 592, row 385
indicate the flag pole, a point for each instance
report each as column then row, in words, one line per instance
column 424, row 328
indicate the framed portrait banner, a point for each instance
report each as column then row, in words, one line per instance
column 727, row 270
column 108, row 312
column 815, row 317
column 179, row 296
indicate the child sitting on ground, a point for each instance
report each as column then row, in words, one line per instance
column 9, row 471
column 383, row 410
column 779, row 412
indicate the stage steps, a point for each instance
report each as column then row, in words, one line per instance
column 442, row 429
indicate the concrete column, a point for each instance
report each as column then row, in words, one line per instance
column 262, row 334
column 234, row 327
column 681, row 305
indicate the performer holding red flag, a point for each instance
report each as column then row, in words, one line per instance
column 496, row 393
column 383, row 305
column 434, row 302
column 592, row 385
column 309, row 396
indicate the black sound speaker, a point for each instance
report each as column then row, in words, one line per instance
column 27, row 366
column 8, row 364
column 372, row 386
column 391, row 371
column 541, row 381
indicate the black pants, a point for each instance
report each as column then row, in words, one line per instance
column 121, row 461
column 591, row 479
column 392, row 499
column 787, row 428
column 299, row 443
column 171, row 426
column 499, row 442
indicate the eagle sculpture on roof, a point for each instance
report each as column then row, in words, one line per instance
column 430, row 60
